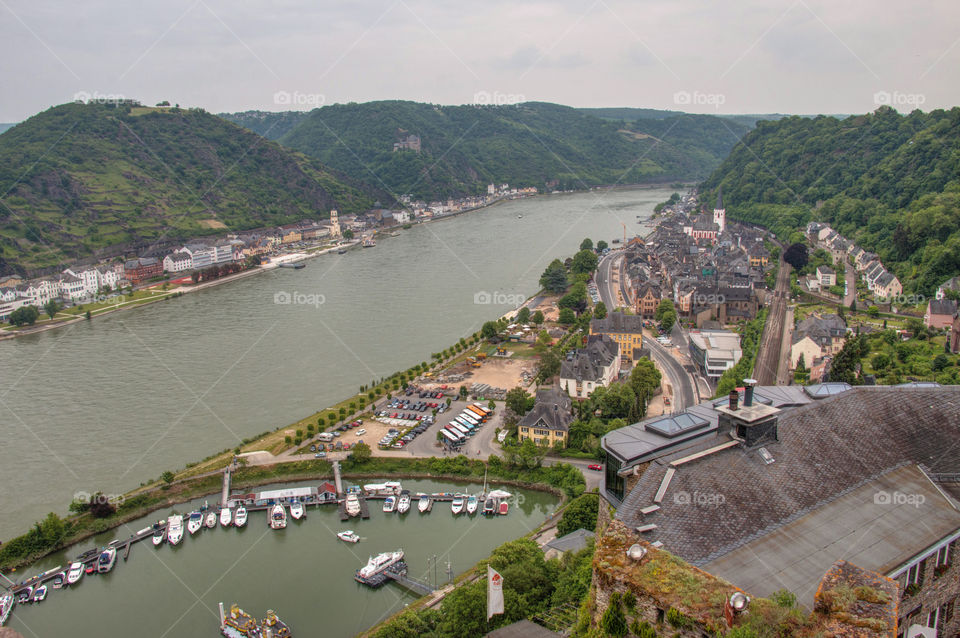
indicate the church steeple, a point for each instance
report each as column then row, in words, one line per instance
column 719, row 214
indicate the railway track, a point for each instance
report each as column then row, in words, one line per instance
column 768, row 353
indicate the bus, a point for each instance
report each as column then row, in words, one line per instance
column 477, row 411
column 469, row 419
column 462, row 429
column 450, row 438
column 483, row 409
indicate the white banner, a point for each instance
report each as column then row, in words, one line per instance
column 494, row 592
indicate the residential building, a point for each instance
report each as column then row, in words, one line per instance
column 598, row 364
column 648, row 298
column 178, row 261
column 817, row 336
column 201, row 254
column 758, row 255
column 626, row 330
column 10, row 300
column 826, row 276
column 715, row 351
column 887, row 286
column 548, row 423
column 940, row 313
column 290, row 235
column 139, row 270
column 952, row 284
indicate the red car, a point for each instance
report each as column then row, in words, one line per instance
column 599, row 468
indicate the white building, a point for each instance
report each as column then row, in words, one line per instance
column 201, row 254
column 178, row 261
column 586, row 370
column 715, row 351
column 223, row 253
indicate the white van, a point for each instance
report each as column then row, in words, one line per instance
column 325, row 436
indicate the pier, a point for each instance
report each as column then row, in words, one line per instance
column 225, row 490
column 398, row 574
column 364, row 509
column 337, row 481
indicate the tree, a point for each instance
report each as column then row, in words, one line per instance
column 348, row 234
column 167, row 477
column 586, row 244
column 463, row 392
column 567, row 316
column 489, row 330
column 873, row 311
column 519, row 401
column 796, row 255
column 846, row 365
column 554, row 278
column 549, row 366
column 24, row 316
column 361, row 452
column 662, row 307
column 581, row 513
column 537, row 317
column 523, row 315
column 100, row 506
column 613, row 622
column 667, row 320
column 600, row 310
column 644, row 381
column 601, row 246
column 584, row 262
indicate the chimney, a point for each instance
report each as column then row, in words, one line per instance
column 748, row 392
column 734, row 399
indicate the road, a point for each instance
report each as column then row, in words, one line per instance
column 768, row 354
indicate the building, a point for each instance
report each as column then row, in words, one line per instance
column 715, row 351
column 408, row 142
column 140, row 270
column 648, row 298
column 626, row 330
column 817, row 336
column 548, row 423
column 952, row 284
column 940, row 313
column 201, row 254
column 719, row 212
column 573, row 542
column 178, row 261
column 887, row 286
column 758, row 255
column 826, row 276
column 598, row 364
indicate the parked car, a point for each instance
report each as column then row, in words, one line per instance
column 361, row 432
column 596, row 467
column 320, row 455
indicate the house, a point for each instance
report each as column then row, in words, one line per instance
column 817, row 336
column 572, row 542
column 598, row 364
column 826, row 276
column 715, row 351
column 178, row 261
column 290, row 235
column 952, row 284
column 10, row 300
column 223, row 252
column 940, row 313
column 648, row 298
column 136, row 271
column 201, row 254
column 758, row 255
column 548, row 423
column 626, row 330
column 887, row 286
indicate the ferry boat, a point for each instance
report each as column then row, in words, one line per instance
column 74, row 573
column 403, row 505
column 424, row 503
column 296, row 510
column 352, row 505
column 40, row 594
column 226, row 516
column 194, row 522
column 108, row 558
column 7, row 601
column 278, row 517
column 211, row 520
column 275, row 627
column 241, row 518
column 239, row 624
column 472, row 504
column 457, row 505
column 349, row 536
column 175, row 529
column 159, row 534
column 389, row 504
column 368, row 242
column 377, row 564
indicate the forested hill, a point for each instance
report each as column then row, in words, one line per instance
column 888, row 181
column 464, row 148
column 89, row 179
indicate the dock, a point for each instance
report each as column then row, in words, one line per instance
column 364, row 509
column 337, row 481
column 398, row 574
column 225, row 490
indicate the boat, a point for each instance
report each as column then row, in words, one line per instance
column 175, row 529
column 423, row 504
column 40, row 594
column 296, row 510
column 74, row 573
column 90, row 569
column 504, row 506
column 159, row 534
column 349, row 536
column 519, row 216
column 107, row 559
column 211, row 520
column 369, row 242
column 389, row 504
column 226, row 516
column 457, row 505
column 278, row 517
column 341, row 251
column 194, row 522
column 403, row 505
column 241, row 518
column 352, row 505
column 377, row 564
column 239, row 624
column 394, row 234
column 472, row 504
column 59, row 580
column 7, row 601
column 489, row 506
column 295, row 265
column 25, row 595
column 273, row 626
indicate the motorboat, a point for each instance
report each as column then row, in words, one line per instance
column 349, row 536
column 378, row 564
column 226, row 516
column 403, row 504
column 423, row 504
column 457, row 505
column 502, row 510
column 278, row 516
column 352, row 505
column 74, row 573
column 159, row 534
column 107, row 559
column 90, row 569
column 25, row 595
column 40, row 594
column 7, row 601
column 211, row 520
column 194, row 522
column 389, row 504
column 296, row 510
column 59, row 580
column 175, row 529
column 489, row 506
column 241, row 518
column 472, row 504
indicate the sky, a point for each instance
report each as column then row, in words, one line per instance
column 704, row 56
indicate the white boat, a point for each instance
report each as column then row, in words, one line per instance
column 175, row 529
column 40, row 594
column 159, row 534
column 378, row 563
column 241, row 518
column 74, row 573
column 278, row 517
column 25, row 595
column 7, row 601
column 296, row 510
column 457, row 505
column 389, row 504
column 349, row 536
column 403, row 505
column 194, row 522
column 59, row 580
column 108, row 558
column 353, row 505
column 211, row 520
column 472, row 503
column 424, row 503
column 226, row 515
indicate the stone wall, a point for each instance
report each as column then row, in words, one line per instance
column 935, row 590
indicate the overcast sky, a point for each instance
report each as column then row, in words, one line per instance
column 764, row 56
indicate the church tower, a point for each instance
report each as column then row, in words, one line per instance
column 335, row 224
column 719, row 213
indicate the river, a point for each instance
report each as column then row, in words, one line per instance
column 109, row 403
column 303, row 572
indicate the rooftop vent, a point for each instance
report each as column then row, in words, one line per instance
column 734, row 399
column 765, row 455
column 636, row 552
column 748, row 392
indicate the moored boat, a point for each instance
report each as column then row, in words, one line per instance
column 472, row 504
column 389, row 504
column 502, row 510
column 296, row 510
column 106, row 560
column 457, row 505
column 211, row 520
column 175, row 529
column 74, row 573
column 59, row 580
column 239, row 624
column 274, row 626
column 424, row 503
column 378, row 564
column 159, row 534
column 7, row 601
column 241, row 518
column 403, row 504
column 349, row 536
column 278, row 517
column 490, row 506
column 194, row 522
column 40, row 594
column 226, row 516
column 25, row 595
column 352, row 505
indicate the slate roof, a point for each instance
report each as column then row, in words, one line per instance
column 551, row 409
column 617, row 322
column 822, row 330
column 572, row 542
column 942, row 307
